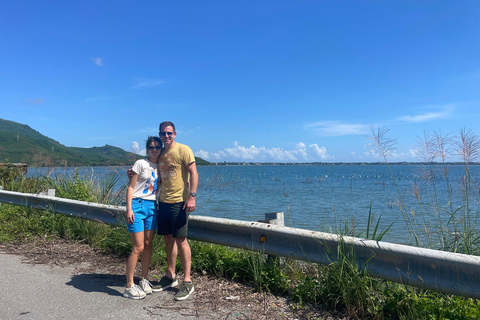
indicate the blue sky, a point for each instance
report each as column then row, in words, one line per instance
column 294, row 81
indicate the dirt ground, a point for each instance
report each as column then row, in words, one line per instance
column 219, row 297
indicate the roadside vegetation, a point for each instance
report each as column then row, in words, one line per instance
column 339, row 286
column 439, row 220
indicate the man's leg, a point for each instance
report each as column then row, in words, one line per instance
column 185, row 257
column 164, row 227
column 180, row 223
column 172, row 250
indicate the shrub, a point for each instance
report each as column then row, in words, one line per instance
column 9, row 172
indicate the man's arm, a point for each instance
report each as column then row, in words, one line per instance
column 190, row 204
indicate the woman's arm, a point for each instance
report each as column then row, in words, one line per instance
column 131, row 186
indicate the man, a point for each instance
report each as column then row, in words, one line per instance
column 176, row 200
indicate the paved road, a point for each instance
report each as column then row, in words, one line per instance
column 42, row 292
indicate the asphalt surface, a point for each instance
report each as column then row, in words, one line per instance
column 42, row 292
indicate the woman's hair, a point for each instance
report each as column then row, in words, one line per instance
column 151, row 139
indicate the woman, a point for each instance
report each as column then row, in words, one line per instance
column 142, row 217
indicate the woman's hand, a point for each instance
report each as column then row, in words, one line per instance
column 130, row 216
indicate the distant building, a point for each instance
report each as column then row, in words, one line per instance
column 22, row 167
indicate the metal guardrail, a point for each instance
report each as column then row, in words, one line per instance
column 425, row 268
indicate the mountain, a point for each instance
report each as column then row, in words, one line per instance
column 20, row 143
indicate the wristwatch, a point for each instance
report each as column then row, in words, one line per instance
column 193, row 194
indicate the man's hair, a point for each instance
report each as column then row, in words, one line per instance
column 151, row 139
column 166, row 124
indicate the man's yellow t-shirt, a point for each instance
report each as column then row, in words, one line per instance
column 173, row 169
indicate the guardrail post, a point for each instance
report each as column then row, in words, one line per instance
column 275, row 218
column 49, row 192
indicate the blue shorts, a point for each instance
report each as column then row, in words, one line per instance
column 145, row 215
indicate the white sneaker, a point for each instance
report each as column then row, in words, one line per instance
column 146, row 286
column 134, row 292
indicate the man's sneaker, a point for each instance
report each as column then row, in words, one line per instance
column 146, row 286
column 184, row 291
column 134, row 292
column 165, row 283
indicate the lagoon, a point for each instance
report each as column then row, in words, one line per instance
column 323, row 197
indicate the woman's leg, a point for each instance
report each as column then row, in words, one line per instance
column 147, row 252
column 137, row 248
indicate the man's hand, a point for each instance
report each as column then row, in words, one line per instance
column 130, row 173
column 189, row 206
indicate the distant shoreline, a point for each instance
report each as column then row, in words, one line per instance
column 336, row 163
column 213, row 164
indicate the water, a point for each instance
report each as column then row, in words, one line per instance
column 319, row 197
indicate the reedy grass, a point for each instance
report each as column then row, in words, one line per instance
column 459, row 233
column 455, row 229
column 385, row 146
column 342, row 285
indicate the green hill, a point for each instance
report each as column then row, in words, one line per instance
column 20, row 143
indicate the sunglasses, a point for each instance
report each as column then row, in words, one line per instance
column 156, row 148
column 163, row 134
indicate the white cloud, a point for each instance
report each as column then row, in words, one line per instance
column 392, row 156
column 301, row 153
column 203, row 154
column 142, row 82
column 371, row 154
column 35, row 101
column 427, row 116
column 136, row 149
column 337, row 128
column 316, row 152
column 414, row 153
column 97, row 61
